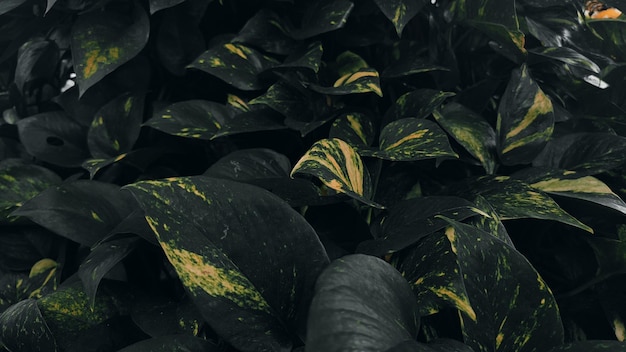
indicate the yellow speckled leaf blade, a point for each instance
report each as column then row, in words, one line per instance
column 249, row 267
column 517, row 310
column 525, row 119
column 339, row 167
column 440, row 287
column 365, row 80
column 354, row 128
column 22, row 328
column 411, row 139
column 400, row 12
column 103, row 41
column 19, row 183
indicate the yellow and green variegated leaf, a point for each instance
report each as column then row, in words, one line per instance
column 95, row 165
column 490, row 221
column 21, row 182
column 23, row 328
column 412, row 139
column 43, row 278
column 249, row 267
column 103, row 41
column 472, row 131
column 525, row 119
column 400, row 12
column 354, row 128
column 355, row 76
column 235, row 64
column 513, row 199
column 517, row 311
column 339, row 167
column 418, row 103
column 433, row 271
column 361, row 303
column 510, row 42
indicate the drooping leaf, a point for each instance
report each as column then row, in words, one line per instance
column 517, row 310
column 435, row 288
column 400, row 12
column 104, row 41
column 355, row 129
column 22, row 328
column 267, row 31
column 102, row 258
column 591, row 346
column 203, row 119
column 471, row 131
column 418, row 103
column 172, row 343
column 355, row 76
column 339, row 167
column 323, row 16
column 612, row 36
column 54, row 138
column 21, row 182
column 410, row 220
column 361, row 303
column 138, row 158
column 509, row 42
column 411, row 139
column 567, row 56
column 249, row 267
column 33, row 63
column 235, row 64
column 116, row 126
column 525, row 119
column 82, row 211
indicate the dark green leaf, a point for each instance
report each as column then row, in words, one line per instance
column 116, row 126
column 54, row 138
column 355, row 129
column 509, row 42
column 612, row 35
column 235, row 64
column 172, row 343
column 410, row 220
column 435, row 288
column 339, row 167
column 23, row 328
column 103, row 257
column 471, row 131
column 9, row 5
column 83, row 211
column 418, row 103
column 157, row 316
column 249, row 267
column 309, row 57
column 361, row 303
column 517, row 310
column 567, row 56
column 592, row 346
column 525, row 119
column 157, row 5
column 104, row 41
column 400, row 12
column 267, row 31
column 33, row 63
column 491, row 222
column 610, row 255
column 411, row 139
column 19, row 183
column 251, row 164
column 22, row 246
column 355, row 76
column 410, row 64
column 588, row 153
column 323, row 16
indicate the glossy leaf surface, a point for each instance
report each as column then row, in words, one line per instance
column 361, row 303
column 172, row 343
column 23, row 328
column 355, row 129
column 19, row 183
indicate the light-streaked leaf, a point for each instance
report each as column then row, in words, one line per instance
column 355, row 129
column 517, row 310
column 400, row 12
column 235, row 64
column 223, row 260
column 22, row 328
column 361, row 303
column 567, row 56
column 21, row 182
column 472, row 131
column 525, row 119
column 355, row 76
column 339, row 167
column 433, row 271
column 508, row 42
column 103, row 41
column 411, row 139
column 491, row 222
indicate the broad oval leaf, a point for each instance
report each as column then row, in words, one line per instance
column 21, row 182
column 418, row 103
column 525, row 119
column 472, row 131
column 250, row 164
column 249, row 267
column 116, row 126
column 23, row 328
column 235, row 64
column 361, row 303
column 323, row 16
column 104, row 41
column 411, row 139
column 400, row 12
column 266, row 30
column 172, row 343
column 410, row 220
column 54, row 138
column 517, row 310
column 82, row 211
column 339, row 167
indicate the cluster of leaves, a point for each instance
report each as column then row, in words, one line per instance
column 328, row 175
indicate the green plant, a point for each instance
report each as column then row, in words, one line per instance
column 322, row 175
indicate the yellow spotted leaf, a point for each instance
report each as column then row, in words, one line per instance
column 400, row 12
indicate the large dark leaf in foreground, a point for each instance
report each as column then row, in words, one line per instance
column 592, row 346
column 22, row 328
column 247, row 259
column 20, row 182
column 517, row 310
column 361, row 303
column 172, row 343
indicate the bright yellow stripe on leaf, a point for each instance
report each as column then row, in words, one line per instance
column 541, row 106
column 400, row 11
column 415, row 135
column 357, row 127
column 587, row 184
column 342, row 80
column 461, row 303
column 360, row 75
column 236, row 50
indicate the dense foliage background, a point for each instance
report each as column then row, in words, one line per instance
column 328, row 175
